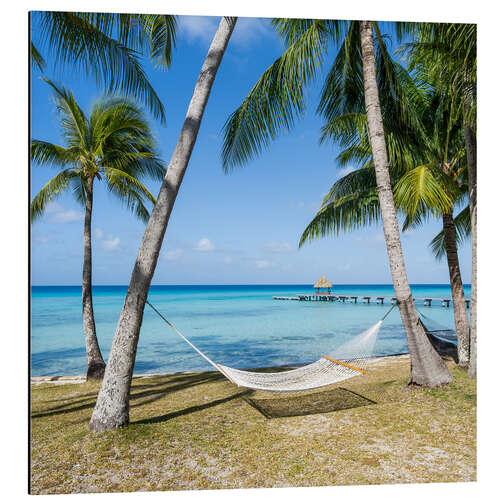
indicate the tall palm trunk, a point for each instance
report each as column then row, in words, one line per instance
column 457, row 290
column 427, row 367
column 470, row 145
column 95, row 363
column 112, row 407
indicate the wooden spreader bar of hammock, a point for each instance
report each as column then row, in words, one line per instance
column 345, row 364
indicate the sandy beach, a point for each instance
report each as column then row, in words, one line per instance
column 198, row 431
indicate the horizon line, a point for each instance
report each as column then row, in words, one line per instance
column 251, row 284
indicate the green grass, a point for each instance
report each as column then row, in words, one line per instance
column 196, row 431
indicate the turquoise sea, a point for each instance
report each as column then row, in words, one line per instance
column 237, row 325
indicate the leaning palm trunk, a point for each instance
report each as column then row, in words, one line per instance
column 470, row 144
column 457, row 290
column 427, row 367
column 112, row 407
column 95, row 363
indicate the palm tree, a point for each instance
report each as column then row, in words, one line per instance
column 441, row 177
column 353, row 82
column 427, row 176
column 113, row 145
column 426, row 159
column 448, row 51
column 112, row 407
column 432, row 370
column 106, row 46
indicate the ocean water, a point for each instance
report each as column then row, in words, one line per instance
column 237, row 325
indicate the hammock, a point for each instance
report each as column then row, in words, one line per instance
column 321, row 373
column 446, row 335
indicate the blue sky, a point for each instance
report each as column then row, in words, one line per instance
column 238, row 228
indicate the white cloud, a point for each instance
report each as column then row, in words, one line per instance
column 59, row 215
column 344, row 171
column 248, row 31
column 344, row 267
column 110, row 244
column 172, row 254
column 98, row 232
column 276, row 247
column 53, row 207
column 263, row 264
column 228, row 260
column 372, row 239
column 204, row 245
column 67, row 216
column 200, row 28
column 42, row 239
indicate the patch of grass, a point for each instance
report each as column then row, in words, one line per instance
column 196, row 431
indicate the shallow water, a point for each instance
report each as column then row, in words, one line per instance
column 238, row 325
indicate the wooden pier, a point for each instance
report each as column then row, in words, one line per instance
column 353, row 299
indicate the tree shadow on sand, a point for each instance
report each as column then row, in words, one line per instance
column 193, row 409
column 152, row 393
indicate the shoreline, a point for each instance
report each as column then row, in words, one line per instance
column 81, row 379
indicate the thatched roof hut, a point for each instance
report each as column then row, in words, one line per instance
column 322, row 283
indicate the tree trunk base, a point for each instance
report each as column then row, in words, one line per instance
column 98, row 426
column 95, row 371
column 415, row 383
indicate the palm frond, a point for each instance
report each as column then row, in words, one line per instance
column 345, row 213
column 78, row 187
column 46, row 153
column 72, row 117
column 276, row 100
column 347, row 130
column 161, row 30
column 131, row 191
column 85, row 41
column 351, row 203
column 49, row 192
column 462, row 232
column 343, row 89
column 354, row 182
column 36, row 58
column 420, row 190
column 290, row 29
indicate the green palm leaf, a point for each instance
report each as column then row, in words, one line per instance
column 277, row 98
column 345, row 213
column 114, row 144
column 36, row 58
column 86, row 41
column 50, row 191
column 420, row 189
column 43, row 152
column 462, row 232
column 131, row 191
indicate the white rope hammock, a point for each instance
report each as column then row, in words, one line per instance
column 321, row 373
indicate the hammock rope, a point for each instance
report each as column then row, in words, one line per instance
column 323, row 372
